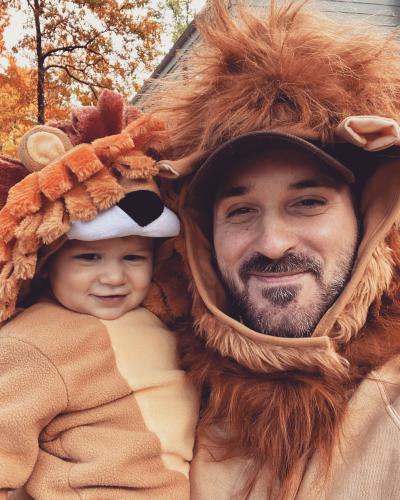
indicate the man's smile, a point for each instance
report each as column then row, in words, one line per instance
column 279, row 279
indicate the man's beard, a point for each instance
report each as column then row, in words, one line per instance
column 272, row 318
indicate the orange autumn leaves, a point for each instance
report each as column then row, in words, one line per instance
column 71, row 50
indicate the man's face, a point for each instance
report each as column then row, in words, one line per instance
column 285, row 235
column 104, row 278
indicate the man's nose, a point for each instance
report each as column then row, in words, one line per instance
column 112, row 273
column 275, row 238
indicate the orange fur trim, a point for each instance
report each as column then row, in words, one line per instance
column 82, row 161
column 8, row 283
column 109, row 148
column 26, row 233
column 376, row 281
column 260, row 357
column 155, row 302
column 9, row 288
column 24, row 265
column 136, row 166
column 55, row 222
column 7, row 308
column 4, row 251
column 25, row 198
column 54, row 180
column 104, row 190
column 79, row 204
column 8, row 225
column 145, row 130
column 168, row 298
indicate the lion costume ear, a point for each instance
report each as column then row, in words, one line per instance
column 372, row 133
column 109, row 117
column 41, row 146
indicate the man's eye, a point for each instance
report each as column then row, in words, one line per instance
column 309, row 206
column 240, row 211
column 311, row 203
column 134, row 258
column 87, row 256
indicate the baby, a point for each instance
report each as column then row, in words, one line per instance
column 93, row 403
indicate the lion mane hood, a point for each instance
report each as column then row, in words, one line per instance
column 296, row 72
column 280, row 400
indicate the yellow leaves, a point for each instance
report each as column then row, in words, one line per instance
column 17, row 101
column 18, row 105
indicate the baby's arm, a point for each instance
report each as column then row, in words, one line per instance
column 31, row 394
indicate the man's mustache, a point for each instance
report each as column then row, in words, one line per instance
column 289, row 263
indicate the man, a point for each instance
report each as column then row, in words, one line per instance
column 291, row 222
column 285, row 234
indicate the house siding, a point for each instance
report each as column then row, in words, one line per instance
column 382, row 13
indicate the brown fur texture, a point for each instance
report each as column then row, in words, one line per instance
column 294, row 71
column 301, row 73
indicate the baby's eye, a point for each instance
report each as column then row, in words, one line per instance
column 87, row 256
column 134, row 258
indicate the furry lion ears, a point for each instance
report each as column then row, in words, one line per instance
column 88, row 191
column 371, row 133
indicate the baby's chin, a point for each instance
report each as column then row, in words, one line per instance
column 95, row 307
column 110, row 316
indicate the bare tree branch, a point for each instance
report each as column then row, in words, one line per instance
column 68, row 69
column 71, row 48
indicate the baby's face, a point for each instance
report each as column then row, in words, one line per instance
column 104, row 278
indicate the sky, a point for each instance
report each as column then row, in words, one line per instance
column 15, row 30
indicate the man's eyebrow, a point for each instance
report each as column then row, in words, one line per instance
column 232, row 191
column 315, row 182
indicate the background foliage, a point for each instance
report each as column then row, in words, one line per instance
column 73, row 49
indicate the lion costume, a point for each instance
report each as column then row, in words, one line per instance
column 287, row 418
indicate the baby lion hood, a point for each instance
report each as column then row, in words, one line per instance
column 298, row 73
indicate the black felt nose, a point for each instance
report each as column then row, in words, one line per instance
column 142, row 206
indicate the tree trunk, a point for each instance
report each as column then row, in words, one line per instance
column 40, row 65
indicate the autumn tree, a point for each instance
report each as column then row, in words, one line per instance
column 17, row 102
column 182, row 14
column 80, row 47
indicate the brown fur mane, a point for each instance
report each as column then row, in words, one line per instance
column 300, row 73
column 294, row 70
column 281, row 419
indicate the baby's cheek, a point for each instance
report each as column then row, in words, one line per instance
column 143, row 278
